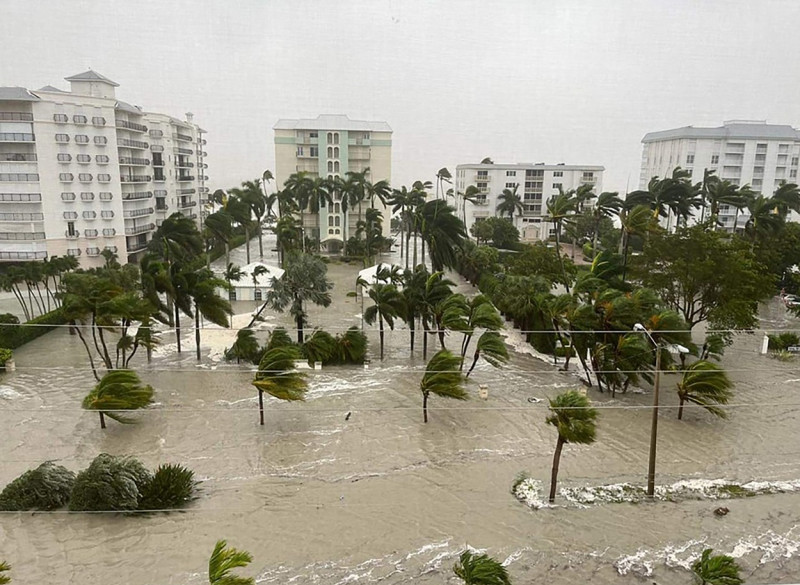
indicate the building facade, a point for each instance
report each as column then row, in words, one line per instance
column 535, row 184
column 82, row 172
column 740, row 151
column 331, row 146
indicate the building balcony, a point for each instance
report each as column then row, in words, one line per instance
column 184, row 137
column 184, row 164
column 184, row 178
column 131, row 126
column 21, row 217
column 162, row 207
column 358, row 141
column 185, row 191
column 137, row 195
column 131, row 213
column 481, row 201
column 20, row 198
column 72, row 235
column 482, row 178
column 89, row 234
column 589, row 180
column 183, row 150
column 127, row 143
column 22, row 236
column 134, row 162
column 35, row 255
column 187, row 204
column 16, row 117
column 136, row 179
column 136, row 246
column 17, row 137
column 17, row 157
column 140, row 229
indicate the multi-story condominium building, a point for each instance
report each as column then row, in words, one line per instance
column 535, row 184
column 331, row 146
column 81, row 171
column 743, row 152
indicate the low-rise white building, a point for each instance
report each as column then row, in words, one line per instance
column 535, row 184
column 81, row 171
column 255, row 283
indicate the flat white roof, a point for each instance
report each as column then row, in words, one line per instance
column 542, row 166
column 331, row 122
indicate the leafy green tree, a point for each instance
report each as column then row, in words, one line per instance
column 475, row 569
column 539, row 260
column 117, row 391
column 45, row 488
column 711, row 569
column 223, row 560
column 706, row 384
column 442, row 378
column 574, row 419
column 560, row 211
column 320, row 347
column 109, row 484
column 278, row 377
column 482, row 231
column 220, row 225
column 498, row 230
column 607, row 206
column 437, row 289
column 176, row 239
column 240, row 208
column 492, row 348
column 305, row 281
column 245, row 347
column 764, row 219
column 387, row 305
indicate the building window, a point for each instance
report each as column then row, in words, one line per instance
column 68, row 197
column 257, row 294
column 78, row 119
column 335, row 152
column 330, row 166
column 689, row 159
column 793, row 173
column 99, row 121
column 336, row 166
column 313, row 134
column 783, row 148
column 330, row 221
column 70, row 215
column 81, row 139
column 104, row 178
column 71, row 229
column 794, row 161
column 62, row 137
column 330, row 152
column 299, row 151
column 84, row 158
column 101, row 159
column 313, row 151
column 106, row 196
column 89, row 214
column 63, row 157
column 61, row 118
column 19, row 177
column 336, row 138
column 66, row 177
column 510, row 185
column 330, row 137
column 511, row 173
column 714, row 159
column 232, row 294
column 557, row 185
column 100, row 140
column 87, row 196
column 109, row 232
column 85, row 177
column 107, row 214
column 337, row 222
column 558, row 173
column 337, row 207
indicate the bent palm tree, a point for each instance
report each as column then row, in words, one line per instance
column 223, row 560
column 716, row 569
column 3, row 568
column 277, row 377
column 388, row 305
column 443, row 379
column 118, row 390
column 492, row 348
column 575, row 421
column 509, row 202
column 560, row 210
column 706, row 384
column 480, row 570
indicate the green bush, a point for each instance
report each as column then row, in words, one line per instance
column 564, row 351
column 351, row 347
column 782, row 341
column 172, row 486
column 5, row 355
column 320, row 347
column 45, row 488
column 110, row 484
column 14, row 336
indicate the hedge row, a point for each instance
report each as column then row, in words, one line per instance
column 14, row 336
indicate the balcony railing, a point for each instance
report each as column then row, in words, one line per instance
column 184, row 137
column 90, row 234
column 20, row 197
column 358, row 141
column 137, row 195
column 127, row 143
column 15, row 117
column 72, row 235
column 136, row 246
column 21, row 216
column 185, row 191
column 139, row 229
column 183, row 151
column 185, row 178
column 131, row 126
column 161, row 207
column 133, row 162
column 138, row 212
column 187, row 204
column 481, row 201
column 136, row 179
column 17, row 137
column 183, row 164
column 17, row 157
column 22, row 255
column 483, row 178
column 588, row 179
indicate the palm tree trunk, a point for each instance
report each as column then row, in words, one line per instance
column 474, row 361
column 88, row 352
column 554, row 474
column 424, row 342
column 415, row 246
column 261, row 407
column 412, row 332
column 464, row 347
column 197, row 330
column 178, row 326
column 561, row 258
column 102, row 420
column 425, row 407
column 680, row 408
column 260, row 241
column 247, row 237
column 227, row 253
column 299, row 320
column 380, row 321
column 626, row 239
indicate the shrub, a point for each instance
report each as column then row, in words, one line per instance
column 45, row 488
column 172, row 486
column 110, row 483
column 279, row 338
column 5, row 355
column 782, row 341
column 351, row 347
column 320, row 347
column 14, row 336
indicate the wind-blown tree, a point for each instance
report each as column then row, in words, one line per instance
column 574, row 420
column 255, row 197
column 220, row 225
column 417, row 197
column 443, row 232
column 475, row 569
column 442, row 378
column 119, row 390
column 711, row 569
column 238, row 207
column 245, row 347
column 203, row 286
column 319, row 196
column 470, row 195
column 176, row 239
column 491, row 347
column 387, row 305
column 720, row 192
column 278, row 377
column 608, row 205
column 481, row 314
column 437, row 289
column 510, row 202
column 637, row 221
column 4, row 567
column 560, row 210
column 401, row 204
column 413, row 292
column 45, row 488
column 706, row 384
column 787, row 198
column 223, row 560
column 764, row 219
column 305, row 281
column 289, row 235
column 442, row 176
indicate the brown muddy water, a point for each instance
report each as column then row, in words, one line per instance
column 383, row 498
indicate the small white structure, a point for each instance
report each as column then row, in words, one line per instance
column 370, row 275
column 250, row 288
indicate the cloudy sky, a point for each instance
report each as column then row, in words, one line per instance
column 575, row 81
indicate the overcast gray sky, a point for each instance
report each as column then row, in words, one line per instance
column 521, row 81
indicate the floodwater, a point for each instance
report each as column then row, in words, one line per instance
column 382, row 497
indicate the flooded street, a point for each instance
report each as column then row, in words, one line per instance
column 381, row 497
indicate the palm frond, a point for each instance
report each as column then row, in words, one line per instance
column 277, row 377
column 119, row 390
column 223, row 560
column 476, row 569
column 716, row 569
column 573, row 416
column 442, row 376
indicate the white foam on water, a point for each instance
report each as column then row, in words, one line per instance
column 427, row 548
column 9, row 393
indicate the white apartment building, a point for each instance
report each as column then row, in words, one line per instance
column 741, row 151
column 81, row 171
column 331, row 146
column 535, row 184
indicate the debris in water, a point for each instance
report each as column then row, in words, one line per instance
column 348, row 416
column 721, row 511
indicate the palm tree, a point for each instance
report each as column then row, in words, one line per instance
column 706, row 384
column 413, row 296
column 510, row 202
column 437, row 289
column 444, row 233
column 471, row 195
column 417, row 197
column 443, row 379
column 255, row 197
column 277, row 377
column 245, row 347
column 442, row 176
column 177, row 239
column 3, row 568
column 560, row 210
column 319, row 196
column 118, row 390
column 480, row 314
column 223, row 560
column 764, row 218
column 608, row 204
column 575, row 421
column 716, row 569
column 787, row 198
column 492, row 348
column 238, row 207
column 203, row 285
column 400, row 202
column 388, row 304
column 636, row 221
column 220, row 224
column 476, row 569
column 304, row 281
